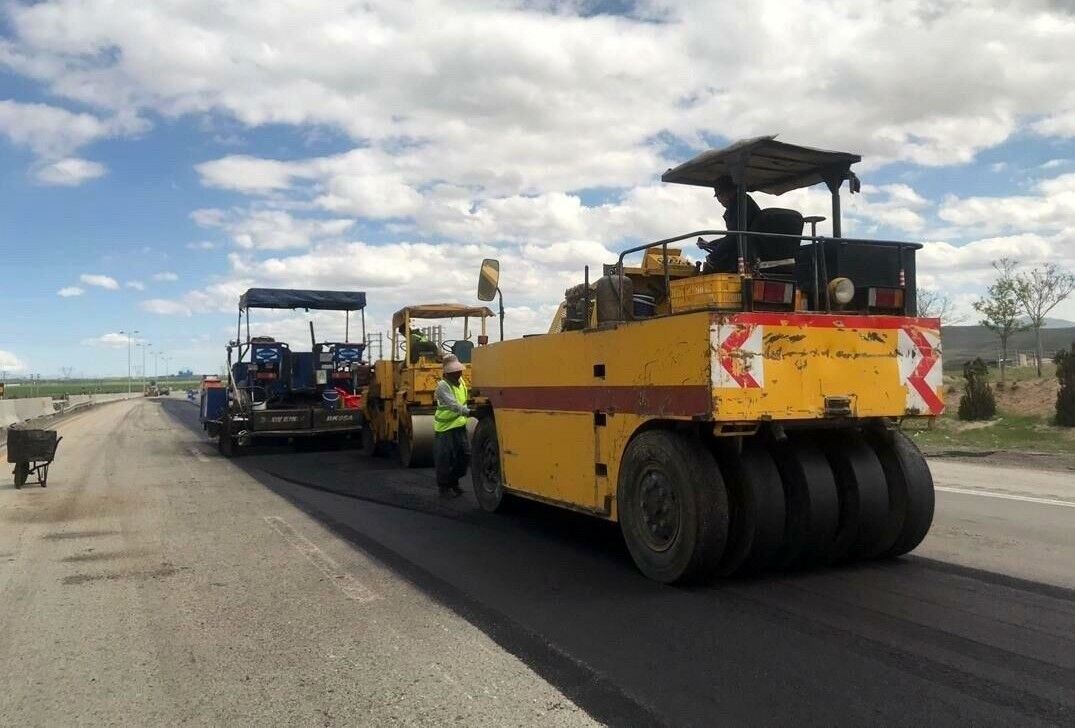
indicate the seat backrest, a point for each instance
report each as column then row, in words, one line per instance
column 463, row 350
column 774, row 220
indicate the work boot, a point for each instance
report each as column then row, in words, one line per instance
column 456, row 489
column 447, row 491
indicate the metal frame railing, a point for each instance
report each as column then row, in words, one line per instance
column 819, row 253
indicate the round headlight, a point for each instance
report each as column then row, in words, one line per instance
column 842, row 290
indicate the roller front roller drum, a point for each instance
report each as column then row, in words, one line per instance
column 416, row 442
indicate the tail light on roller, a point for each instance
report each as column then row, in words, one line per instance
column 774, row 292
column 891, row 298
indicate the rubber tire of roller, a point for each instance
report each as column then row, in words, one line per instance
column 811, row 501
column 371, row 446
column 910, row 489
column 486, row 474
column 22, row 472
column 690, row 470
column 863, row 491
column 226, row 444
column 756, row 509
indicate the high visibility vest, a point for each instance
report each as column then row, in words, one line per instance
column 444, row 419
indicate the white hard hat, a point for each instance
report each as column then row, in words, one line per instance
column 453, row 365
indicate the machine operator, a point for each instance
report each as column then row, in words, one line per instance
column 723, row 253
column 419, row 344
column 451, row 450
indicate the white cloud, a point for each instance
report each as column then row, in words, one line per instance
column 1052, row 208
column 69, row 172
column 1054, row 163
column 113, row 340
column 516, row 100
column 1060, row 124
column 165, row 276
column 136, row 285
column 54, row 133
column 165, row 307
column 101, row 281
column 245, row 174
column 270, row 229
column 11, row 363
column 69, row 291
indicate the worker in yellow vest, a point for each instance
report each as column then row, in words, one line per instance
column 451, row 451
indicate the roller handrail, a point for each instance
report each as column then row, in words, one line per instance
column 900, row 246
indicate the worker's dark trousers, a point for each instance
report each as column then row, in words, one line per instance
column 451, row 456
column 725, row 256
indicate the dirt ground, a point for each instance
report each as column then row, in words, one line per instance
column 1034, row 397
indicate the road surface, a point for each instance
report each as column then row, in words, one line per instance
column 155, row 583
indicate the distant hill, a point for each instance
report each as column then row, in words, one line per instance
column 962, row 343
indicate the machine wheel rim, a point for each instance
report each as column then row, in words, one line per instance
column 490, row 473
column 659, row 510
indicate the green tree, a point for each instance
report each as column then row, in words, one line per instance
column 977, row 402
column 1065, row 398
column 1039, row 292
column 1000, row 308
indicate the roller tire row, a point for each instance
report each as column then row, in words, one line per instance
column 690, row 512
column 805, row 501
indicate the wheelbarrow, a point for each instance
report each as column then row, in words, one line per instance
column 32, row 451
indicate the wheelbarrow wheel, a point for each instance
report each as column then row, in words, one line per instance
column 22, row 471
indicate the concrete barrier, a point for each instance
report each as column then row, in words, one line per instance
column 13, row 411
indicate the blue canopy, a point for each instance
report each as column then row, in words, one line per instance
column 300, row 298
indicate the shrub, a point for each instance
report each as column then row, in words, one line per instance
column 977, row 402
column 1065, row 398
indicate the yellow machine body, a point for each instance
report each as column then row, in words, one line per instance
column 567, row 404
column 399, row 400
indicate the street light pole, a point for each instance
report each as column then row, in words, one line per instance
column 129, row 382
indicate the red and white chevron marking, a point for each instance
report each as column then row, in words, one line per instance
column 919, row 353
column 738, row 362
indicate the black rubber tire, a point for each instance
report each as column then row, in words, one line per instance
column 671, row 483
column 863, row 494
column 910, row 490
column 403, row 447
column 485, row 468
column 811, row 501
column 226, row 444
column 22, row 472
column 756, row 509
column 371, row 447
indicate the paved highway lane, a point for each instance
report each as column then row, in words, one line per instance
column 963, row 633
column 150, row 585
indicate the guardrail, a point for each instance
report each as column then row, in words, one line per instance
column 13, row 411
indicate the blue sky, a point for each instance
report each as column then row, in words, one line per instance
column 187, row 151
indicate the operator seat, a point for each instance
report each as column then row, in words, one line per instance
column 463, row 350
column 774, row 256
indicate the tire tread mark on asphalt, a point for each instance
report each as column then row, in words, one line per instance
column 586, row 687
column 1013, row 582
column 964, row 646
column 977, row 598
column 984, row 689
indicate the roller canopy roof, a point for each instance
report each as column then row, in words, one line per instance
column 765, row 165
column 438, row 311
column 300, row 298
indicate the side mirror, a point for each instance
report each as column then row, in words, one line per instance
column 488, row 279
